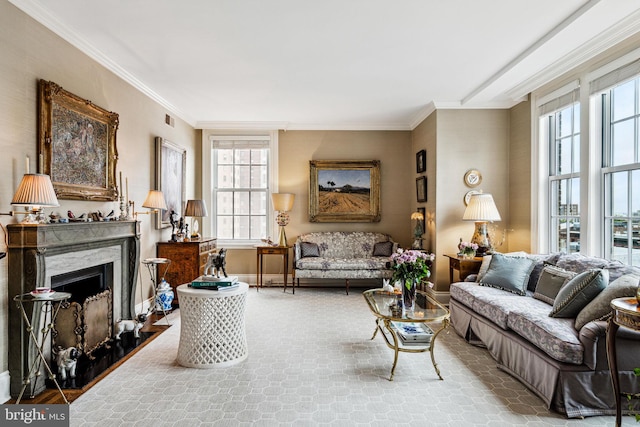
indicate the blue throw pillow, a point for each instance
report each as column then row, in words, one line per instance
column 578, row 292
column 508, row 273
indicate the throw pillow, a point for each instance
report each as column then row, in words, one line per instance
column 383, row 249
column 579, row 292
column 600, row 308
column 486, row 260
column 508, row 273
column 550, row 281
column 308, row 249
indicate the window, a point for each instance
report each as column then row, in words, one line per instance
column 240, row 170
column 620, row 110
column 562, row 130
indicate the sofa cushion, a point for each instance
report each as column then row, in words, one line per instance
column 578, row 292
column 579, row 263
column 308, row 249
column 600, row 307
column 556, row 337
column 493, row 303
column 550, row 282
column 541, row 262
column 508, row 273
column 383, row 249
column 321, row 263
column 486, row 260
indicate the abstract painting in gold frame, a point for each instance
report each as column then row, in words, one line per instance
column 76, row 145
column 344, row 191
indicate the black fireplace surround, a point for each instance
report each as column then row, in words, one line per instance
column 38, row 252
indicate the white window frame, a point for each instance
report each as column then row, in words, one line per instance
column 592, row 83
column 208, row 182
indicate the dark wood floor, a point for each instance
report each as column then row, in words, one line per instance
column 52, row 395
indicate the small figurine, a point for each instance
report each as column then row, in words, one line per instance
column 66, row 359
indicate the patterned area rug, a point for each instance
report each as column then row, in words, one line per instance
column 311, row 361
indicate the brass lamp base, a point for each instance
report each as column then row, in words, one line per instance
column 482, row 239
column 282, row 239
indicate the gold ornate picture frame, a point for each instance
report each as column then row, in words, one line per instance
column 344, row 191
column 76, row 145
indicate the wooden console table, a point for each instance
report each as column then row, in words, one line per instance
column 625, row 312
column 464, row 266
column 273, row 250
column 188, row 260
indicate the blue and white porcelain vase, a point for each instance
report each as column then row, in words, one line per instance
column 164, row 296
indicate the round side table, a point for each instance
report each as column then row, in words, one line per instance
column 212, row 327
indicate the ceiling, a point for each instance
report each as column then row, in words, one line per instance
column 335, row 64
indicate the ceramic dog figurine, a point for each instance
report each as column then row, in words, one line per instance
column 66, row 359
column 215, row 263
column 128, row 326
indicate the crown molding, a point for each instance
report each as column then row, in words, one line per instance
column 219, row 125
column 606, row 40
column 43, row 16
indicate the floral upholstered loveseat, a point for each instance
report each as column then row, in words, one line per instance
column 543, row 319
column 343, row 255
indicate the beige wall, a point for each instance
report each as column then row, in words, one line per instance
column 456, row 141
column 297, row 148
column 29, row 52
column 519, row 225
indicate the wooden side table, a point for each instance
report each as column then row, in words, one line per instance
column 273, row 250
column 464, row 266
column 625, row 312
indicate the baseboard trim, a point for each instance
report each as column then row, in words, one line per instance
column 5, row 386
column 442, row 297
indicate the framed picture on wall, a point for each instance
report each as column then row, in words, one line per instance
column 344, row 191
column 421, row 161
column 171, row 162
column 76, row 145
column 421, row 189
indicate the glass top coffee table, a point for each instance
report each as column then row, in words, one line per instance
column 407, row 333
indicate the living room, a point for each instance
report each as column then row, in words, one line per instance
column 500, row 142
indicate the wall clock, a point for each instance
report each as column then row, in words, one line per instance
column 472, row 178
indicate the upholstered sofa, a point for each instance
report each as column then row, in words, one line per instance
column 343, row 255
column 549, row 330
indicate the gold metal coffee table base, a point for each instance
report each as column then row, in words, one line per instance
column 379, row 302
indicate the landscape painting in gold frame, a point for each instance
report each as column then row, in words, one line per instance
column 344, row 191
column 76, row 145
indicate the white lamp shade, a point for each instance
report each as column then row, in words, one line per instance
column 35, row 189
column 417, row 215
column 195, row 208
column 481, row 207
column 155, row 200
column 282, row 202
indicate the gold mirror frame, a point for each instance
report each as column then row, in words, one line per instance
column 320, row 169
column 85, row 128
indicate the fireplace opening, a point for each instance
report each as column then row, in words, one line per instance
column 84, row 283
column 86, row 323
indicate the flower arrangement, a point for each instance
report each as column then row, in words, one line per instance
column 467, row 248
column 411, row 266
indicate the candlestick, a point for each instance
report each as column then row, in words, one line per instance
column 120, row 188
column 127, row 189
column 27, row 164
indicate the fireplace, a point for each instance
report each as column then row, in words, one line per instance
column 85, row 322
column 85, row 259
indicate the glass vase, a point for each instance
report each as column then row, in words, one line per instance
column 409, row 297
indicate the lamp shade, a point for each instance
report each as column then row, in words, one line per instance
column 417, row 215
column 282, row 202
column 35, row 189
column 155, row 200
column 195, row 208
column 481, row 207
